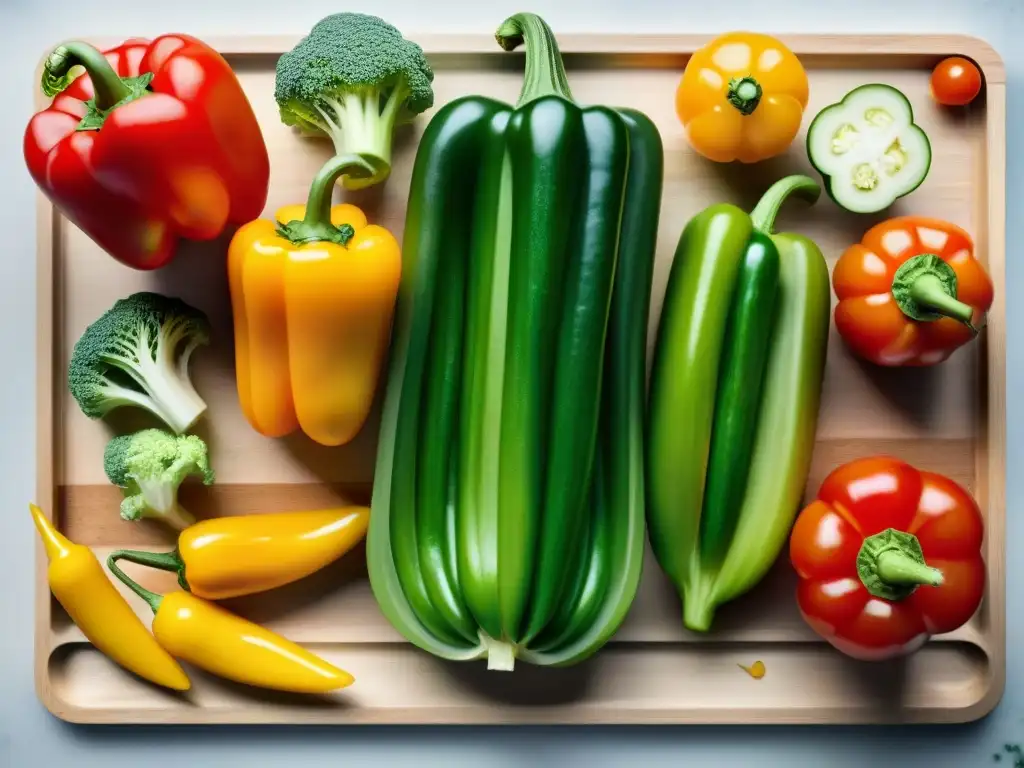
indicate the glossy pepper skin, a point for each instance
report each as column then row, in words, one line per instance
column 911, row 292
column 154, row 143
column 224, row 644
column 742, row 97
column 887, row 555
column 77, row 580
column 225, row 557
column 312, row 297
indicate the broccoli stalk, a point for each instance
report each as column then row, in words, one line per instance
column 137, row 354
column 354, row 78
column 149, row 466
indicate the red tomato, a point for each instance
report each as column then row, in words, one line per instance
column 955, row 81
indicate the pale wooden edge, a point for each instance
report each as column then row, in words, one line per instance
column 992, row 460
column 991, row 465
column 975, row 48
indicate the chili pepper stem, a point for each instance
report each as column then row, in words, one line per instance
column 316, row 225
column 925, row 288
column 164, row 561
column 767, row 208
column 55, row 544
column 545, row 72
column 153, row 600
column 107, row 85
column 744, row 94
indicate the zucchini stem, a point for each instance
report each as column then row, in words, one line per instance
column 545, row 71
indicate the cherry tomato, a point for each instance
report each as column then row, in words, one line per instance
column 955, row 81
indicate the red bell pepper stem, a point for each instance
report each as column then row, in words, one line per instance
column 316, row 225
column 891, row 565
column 107, row 85
column 897, row 568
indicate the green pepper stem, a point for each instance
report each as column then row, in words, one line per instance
column 164, row 561
column 764, row 213
column 891, row 565
column 107, row 85
column 153, row 600
column 316, row 225
column 894, row 567
column 745, row 94
column 545, row 71
column 929, row 293
column 925, row 288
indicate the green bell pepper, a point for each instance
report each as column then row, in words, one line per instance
column 733, row 406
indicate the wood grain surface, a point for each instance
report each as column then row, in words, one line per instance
column 949, row 419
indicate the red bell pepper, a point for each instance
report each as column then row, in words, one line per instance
column 154, row 142
column 887, row 555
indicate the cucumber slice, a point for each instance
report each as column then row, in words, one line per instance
column 868, row 149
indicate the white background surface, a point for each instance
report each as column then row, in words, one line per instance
column 31, row 738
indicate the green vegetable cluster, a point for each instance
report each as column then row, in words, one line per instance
column 137, row 354
column 149, row 466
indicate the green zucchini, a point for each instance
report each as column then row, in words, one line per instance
column 492, row 425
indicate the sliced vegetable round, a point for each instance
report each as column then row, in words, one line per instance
column 955, row 81
column 868, row 148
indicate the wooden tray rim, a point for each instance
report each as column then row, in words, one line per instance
column 869, row 45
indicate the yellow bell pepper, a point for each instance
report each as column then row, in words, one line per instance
column 77, row 580
column 312, row 296
column 742, row 97
column 224, row 644
column 225, row 557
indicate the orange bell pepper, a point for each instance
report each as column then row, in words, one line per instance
column 312, row 298
column 742, row 97
column 911, row 292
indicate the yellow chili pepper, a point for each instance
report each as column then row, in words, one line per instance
column 224, row 644
column 312, row 298
column 742, row 97
column 226, row 557
column 77, row 580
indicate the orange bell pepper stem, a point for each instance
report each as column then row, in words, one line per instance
column 911, row 292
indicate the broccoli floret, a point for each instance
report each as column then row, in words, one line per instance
column 354, row 78
column 149, row 466
column 137, row 353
